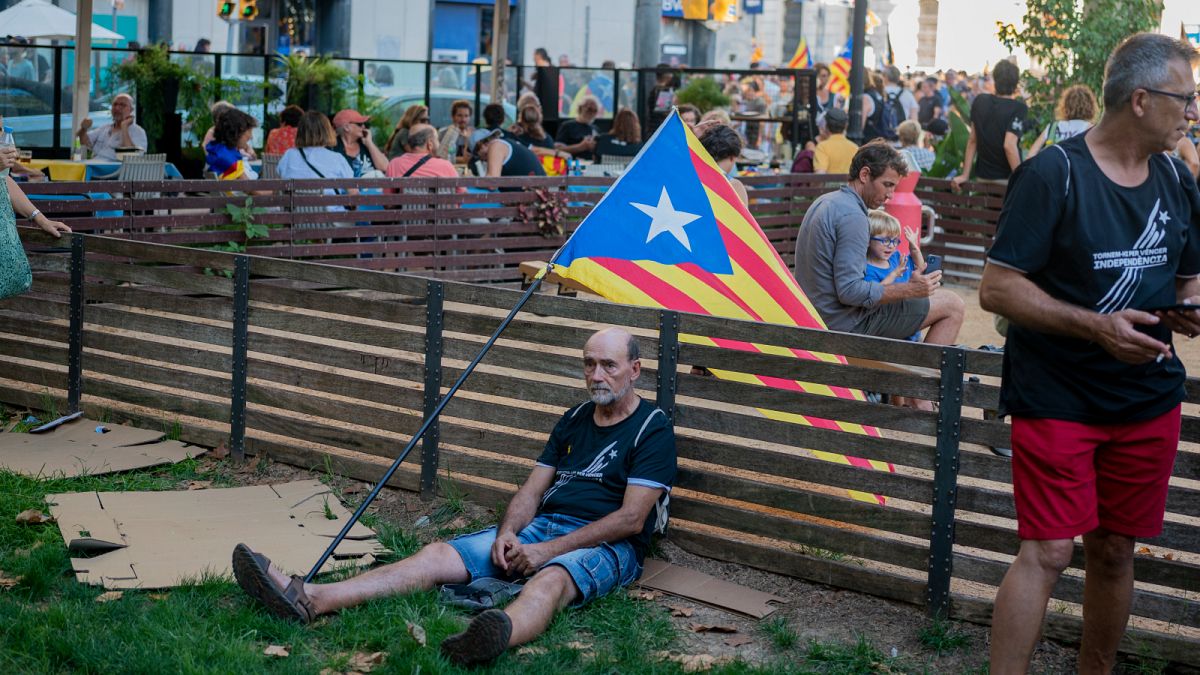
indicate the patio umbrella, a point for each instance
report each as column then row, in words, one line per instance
column 41, row 19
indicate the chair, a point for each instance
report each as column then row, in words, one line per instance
column 139, row 168
column 270, row 167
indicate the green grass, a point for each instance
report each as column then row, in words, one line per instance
column 859, row 656
column 942, row 636
column 780, row 632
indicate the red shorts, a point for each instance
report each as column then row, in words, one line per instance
column 1070, row 478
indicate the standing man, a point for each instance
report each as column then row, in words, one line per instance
column 578, row 528
column 1095, row 233
column 123, row 132
column 997, row 122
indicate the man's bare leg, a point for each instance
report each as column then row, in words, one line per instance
column 431, row 566
column 1107, row 595
column 945, row 318
column 548, row 591
column 1021, row 603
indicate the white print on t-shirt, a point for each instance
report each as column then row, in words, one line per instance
column 593, row 471
column 1146, row 252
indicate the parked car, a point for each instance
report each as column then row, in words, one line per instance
column 440, row 100
column 28, row 107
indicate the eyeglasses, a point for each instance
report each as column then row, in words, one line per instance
column 1189, row 100
column 887, row 241
column 424, row 120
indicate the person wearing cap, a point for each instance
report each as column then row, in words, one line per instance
column 123, row 132
column 834, row 154
column 355, row 143
column 504, row 158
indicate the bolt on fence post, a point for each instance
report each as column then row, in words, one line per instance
column 945, row 481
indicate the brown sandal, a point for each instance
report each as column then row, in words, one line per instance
column 250, row 570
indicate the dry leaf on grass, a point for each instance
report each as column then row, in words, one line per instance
column 643, row 594
column 7, row 581
column 1143, row 550
column 1168, row 556
column 531, row 651
column 356, row 488
column 680, row 610
column 277, row 650
column 578, row 646
column 109, row 596
column 457, row 524
column 157, row 596
column 33, row 517
column 365, row 663
column 199, row 484
column 709, row 628
column 693, row 663
column 738, row 640
column 416, row 632
column 219, row 452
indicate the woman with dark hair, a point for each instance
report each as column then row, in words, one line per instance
column 724, row 145
column 625, row 138
column 397, row 143
column 283, row 137
column 223, row 156
column 203, row 46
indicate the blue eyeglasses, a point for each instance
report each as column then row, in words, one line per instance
column 887, row 241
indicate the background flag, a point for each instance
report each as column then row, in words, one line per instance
column 802, row 58
column 672, row 233
column 839, row 70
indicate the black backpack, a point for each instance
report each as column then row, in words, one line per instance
column 883, row 120
column 893, row 114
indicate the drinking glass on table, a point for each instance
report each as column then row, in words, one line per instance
column 25, row 156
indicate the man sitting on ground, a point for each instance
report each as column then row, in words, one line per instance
column 577, row 529
column 831, row 255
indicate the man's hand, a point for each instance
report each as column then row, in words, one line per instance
column 1186, row 322
column 501, row 548
column 1118, row 335
column 924, row 285
column 125, row 123
column 588, row 143
column 85, row 124
column 8, row 157
column 956, row 183
column 525, row 559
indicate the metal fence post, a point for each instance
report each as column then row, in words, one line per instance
column 433, row 386
column 75, row 337
column 241, row 330
column 945, row 481
column 668, row 359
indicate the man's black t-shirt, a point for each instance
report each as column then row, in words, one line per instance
column 594, row 464
column 529, row 141
column 1088, row 241
column 574, row 131
column 608, row 145
column 993, row 117
column 927, row 108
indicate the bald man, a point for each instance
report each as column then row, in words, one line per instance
column 123, row 132
column 577, row 529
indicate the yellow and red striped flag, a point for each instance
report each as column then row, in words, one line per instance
column 839, row 70
column 802, row 58
column 672, row 233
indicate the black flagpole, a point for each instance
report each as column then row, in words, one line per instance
column 429, row 420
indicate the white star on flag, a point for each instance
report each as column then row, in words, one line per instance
column 664, row 218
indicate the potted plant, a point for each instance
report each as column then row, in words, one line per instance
column 156, row 80
column 702, row 92
column 317, row 83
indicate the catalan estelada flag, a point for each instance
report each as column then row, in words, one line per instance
column 802, row 58
column 672, row 233
column 839, row 70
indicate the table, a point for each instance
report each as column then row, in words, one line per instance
column 68, row 170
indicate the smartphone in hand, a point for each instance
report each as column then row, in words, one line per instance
column 933, row 263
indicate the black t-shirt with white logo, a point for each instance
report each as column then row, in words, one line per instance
column 572, row 132
column 594, row 464
column 1085, row 240
column 993, row 117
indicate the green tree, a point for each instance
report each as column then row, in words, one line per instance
column 1071, row 40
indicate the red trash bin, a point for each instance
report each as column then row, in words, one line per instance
column 906, row 207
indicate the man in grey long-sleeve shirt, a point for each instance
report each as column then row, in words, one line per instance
column 831, row 258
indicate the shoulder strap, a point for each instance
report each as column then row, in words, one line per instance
column 1067, row 157
column 1171, row 163
column 413, row 169
column 310, row 164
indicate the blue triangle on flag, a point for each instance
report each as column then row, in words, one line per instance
column 657, row 211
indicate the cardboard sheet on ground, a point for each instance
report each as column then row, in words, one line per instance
column 76, row 449
column 163, row 539
column 663, row 576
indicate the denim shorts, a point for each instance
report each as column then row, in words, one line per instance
column 596, row 571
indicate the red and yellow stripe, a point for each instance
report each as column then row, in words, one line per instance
column 760, row 288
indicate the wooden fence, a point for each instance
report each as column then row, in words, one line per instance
column 425, row 226
column 324, row 366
